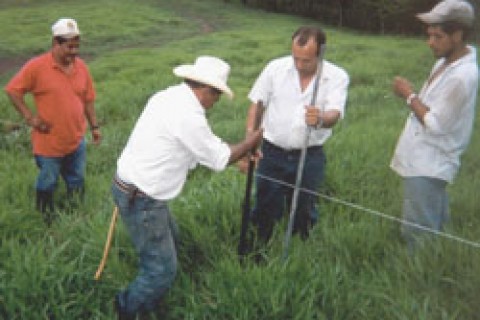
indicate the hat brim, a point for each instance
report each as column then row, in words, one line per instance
column 189, row 72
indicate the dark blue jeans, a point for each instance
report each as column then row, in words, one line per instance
column 272, row 199
column 71, row 167
column 153, row 232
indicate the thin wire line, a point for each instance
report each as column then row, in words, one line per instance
column 374, row 212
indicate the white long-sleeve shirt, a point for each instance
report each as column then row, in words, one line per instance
column 278, row 86
column 434, row 149
column 170, row 137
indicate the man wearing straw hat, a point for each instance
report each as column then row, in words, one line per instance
column 170, row 138
column 438, row 129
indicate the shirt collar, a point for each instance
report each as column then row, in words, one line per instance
column 470, row 57
column 190, row 95
column 54, row 64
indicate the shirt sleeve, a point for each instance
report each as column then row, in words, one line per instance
column 207, row 149
column 262, row 87
column 90, row 93
column 446, row 109
column 22, row 82
column 337, row 93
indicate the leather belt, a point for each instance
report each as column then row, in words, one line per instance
column 289, row 151
column 128, row 188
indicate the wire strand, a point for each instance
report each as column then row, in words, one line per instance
column 374, row 212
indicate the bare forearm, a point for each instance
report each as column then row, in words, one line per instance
column 19, row 104
column 251, row 118
column 90, row 114
column 325, row 119
column 240, row 149
column 418, row 108
column 404, row 89
column 329, row 118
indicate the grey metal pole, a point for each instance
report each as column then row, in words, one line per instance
column 301, row 165
column 296, row 192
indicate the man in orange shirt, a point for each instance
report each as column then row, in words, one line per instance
column 64, row 96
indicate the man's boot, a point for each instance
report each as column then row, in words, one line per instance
column 75, row 197
column 45, row 205
column 119, row 310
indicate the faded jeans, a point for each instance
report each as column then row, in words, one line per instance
column 153, row 232
column 71, row 167
column 425, row 202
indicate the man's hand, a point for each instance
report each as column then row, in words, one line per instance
column 243, row 163
column 312, row 116
column 96, row 136
column 402, row 87
column 39, row 124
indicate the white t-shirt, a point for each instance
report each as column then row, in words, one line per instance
column 434, row 149
column 278, row 86
column 170, row 138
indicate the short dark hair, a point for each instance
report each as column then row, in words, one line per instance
column 449, row 27
column 305, row 33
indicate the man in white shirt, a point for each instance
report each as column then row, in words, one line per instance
column 438, row 129
column 285, row 87
column 170, row 138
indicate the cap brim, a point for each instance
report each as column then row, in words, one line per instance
column 429, row 18
column 68, row 35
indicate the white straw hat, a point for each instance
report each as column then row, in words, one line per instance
column 208, row 70
column 449, row 11
column 66, row 28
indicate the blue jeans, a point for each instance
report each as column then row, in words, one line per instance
column 273, row 198
column 71, row 167
column 153, row 232
column 425, row 202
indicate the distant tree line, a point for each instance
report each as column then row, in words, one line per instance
column 382, row 16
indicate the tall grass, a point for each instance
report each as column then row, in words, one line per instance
column 354, row 266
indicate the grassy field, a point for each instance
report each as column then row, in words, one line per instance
column 354, row 266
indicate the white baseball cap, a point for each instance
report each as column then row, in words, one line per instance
column 208, row 70
column 449, row 11
column 66, row 28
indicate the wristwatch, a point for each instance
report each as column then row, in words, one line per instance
column 410, row 98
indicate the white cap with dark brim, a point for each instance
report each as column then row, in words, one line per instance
column 65, row 28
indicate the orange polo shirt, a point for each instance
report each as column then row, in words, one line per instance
column 59, row 99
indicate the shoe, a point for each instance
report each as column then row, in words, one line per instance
column 122, row 314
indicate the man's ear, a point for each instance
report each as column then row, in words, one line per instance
column 457, row 36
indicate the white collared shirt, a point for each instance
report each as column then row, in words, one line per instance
column 278, row 86
column 434, row 149
column 170, row 137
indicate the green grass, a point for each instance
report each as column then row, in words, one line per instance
column 354, row 266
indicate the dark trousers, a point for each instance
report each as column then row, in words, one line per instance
column 272, row 198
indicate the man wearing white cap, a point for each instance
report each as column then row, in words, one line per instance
column 64, row 96
column 170, row 138
column 438, row 129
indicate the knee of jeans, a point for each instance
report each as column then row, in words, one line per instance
column 48, row 185
column 76, row 182
column 163, row 275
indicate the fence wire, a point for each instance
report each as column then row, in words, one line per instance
column 374, row 212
